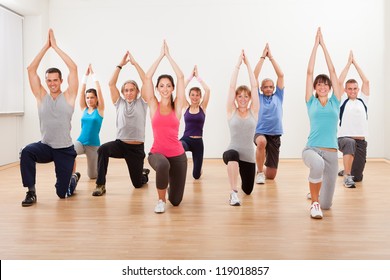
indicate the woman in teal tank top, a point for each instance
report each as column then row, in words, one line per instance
column 320, row 153
column 92, row 105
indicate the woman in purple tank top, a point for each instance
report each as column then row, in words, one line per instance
column 194, row 118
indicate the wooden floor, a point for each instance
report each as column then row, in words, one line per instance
column 273, row 223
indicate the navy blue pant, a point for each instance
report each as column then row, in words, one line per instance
column 134, row 155
column 41, row 153
column 195, row 145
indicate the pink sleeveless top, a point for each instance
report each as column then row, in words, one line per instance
column 165, row 132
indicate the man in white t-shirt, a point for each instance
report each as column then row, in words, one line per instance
column 353, row 126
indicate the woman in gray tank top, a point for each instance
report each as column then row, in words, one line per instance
column 242, row 111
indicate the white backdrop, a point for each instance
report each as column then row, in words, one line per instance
column 211, row 33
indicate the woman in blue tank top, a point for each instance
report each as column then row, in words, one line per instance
column 194, row 118
column 320, row 153
column 92, row 105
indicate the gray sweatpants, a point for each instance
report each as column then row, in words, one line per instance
column 92, row 157
column 323, row 168
column 357, row 148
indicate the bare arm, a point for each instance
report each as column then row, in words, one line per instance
column 180, row 99
column 147, row 90
column 338, row 91
column 140, row 71
column 259, row 64
column 35, row 82
column 255, row 103
column 82, row 102
column 310, row 69
column 231, row 105
column 278, row 70
column 114, row 92
column 100, row 105
column 189, row 79
column 345, row 71
column 206, row 96
column 73, row 81
column 365, row 81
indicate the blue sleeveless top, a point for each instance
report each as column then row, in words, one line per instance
column 90, row 128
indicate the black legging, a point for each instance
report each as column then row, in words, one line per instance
column 134, row 155
column 247, row 170
column 172, row 170
column 195, row 145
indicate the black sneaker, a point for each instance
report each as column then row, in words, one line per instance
column 73, row 183
column 30, row 199
column 341, row 173
column 145, row 177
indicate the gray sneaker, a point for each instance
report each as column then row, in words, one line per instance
column 348, row 182
column 99, row 190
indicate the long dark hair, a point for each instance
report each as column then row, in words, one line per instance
column 93, row 91
column 170, row 78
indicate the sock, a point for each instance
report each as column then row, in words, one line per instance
column 31, row 189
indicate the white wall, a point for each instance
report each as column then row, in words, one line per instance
column 387, row 84
column 21, row 130
column 211, row 33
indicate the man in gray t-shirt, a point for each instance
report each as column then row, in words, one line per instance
column 55, row 109
column 130, row 124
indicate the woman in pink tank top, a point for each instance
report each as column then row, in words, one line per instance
column 167, row 156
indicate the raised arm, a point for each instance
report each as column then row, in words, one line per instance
column 231, row 105
column 35, row 82
column 365, row 81
column 180, row 99
column 82, row 102
column 206, row 96
column 255, row 103
column 100, row 105
column 310, row 68
column 147, row 89
column 338, row 91
column 278, row 70
column 73, row 81
column 140, row 71
column 345, row 71
column 259, row 64
column 114, row 92
column 189, row 79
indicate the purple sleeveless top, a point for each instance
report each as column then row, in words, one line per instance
column 194, row 123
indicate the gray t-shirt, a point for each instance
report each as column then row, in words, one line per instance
column 241, row 136
column 55, row 117
column 131, row 119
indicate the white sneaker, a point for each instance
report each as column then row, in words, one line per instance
column 160, row 207
column 234, row 200
column 308, row 196
column 260, row 178
column 315, row 211
column 348, row 182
